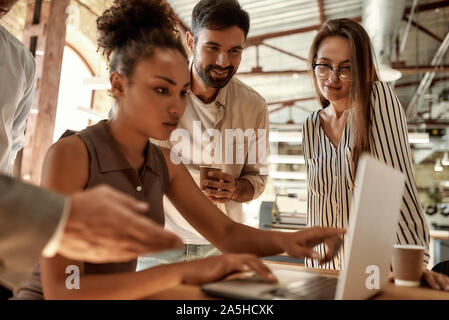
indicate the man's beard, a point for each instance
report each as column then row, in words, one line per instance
column 211, row 81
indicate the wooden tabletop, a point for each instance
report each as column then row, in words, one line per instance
column 390, row 292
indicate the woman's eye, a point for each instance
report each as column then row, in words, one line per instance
column 162, row 90
column 184, row 93
column 345, row 70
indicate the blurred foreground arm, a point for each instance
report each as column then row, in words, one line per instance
column 105, row 225
column 102, row 225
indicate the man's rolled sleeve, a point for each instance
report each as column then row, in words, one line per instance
column 257, row 182
column 257, row 174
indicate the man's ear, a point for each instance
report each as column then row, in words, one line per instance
column 118, row 85
column 190, row 41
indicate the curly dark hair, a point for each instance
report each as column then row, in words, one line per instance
column 133, row 29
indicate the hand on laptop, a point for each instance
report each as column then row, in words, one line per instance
column 301, row 243
column 435, row 280
column 217, row 267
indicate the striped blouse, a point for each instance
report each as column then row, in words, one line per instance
column 330, row 172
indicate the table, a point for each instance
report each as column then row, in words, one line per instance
column 390, row 292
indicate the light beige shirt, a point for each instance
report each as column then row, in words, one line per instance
column 17, row 71
column 238, row 107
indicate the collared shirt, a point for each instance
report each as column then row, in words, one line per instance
column 238, row 107
column 330, row 172
column 109, row 166
column 17, row 71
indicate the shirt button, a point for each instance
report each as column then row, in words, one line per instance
column 139, row 188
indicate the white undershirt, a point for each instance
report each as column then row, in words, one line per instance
column 206, row 114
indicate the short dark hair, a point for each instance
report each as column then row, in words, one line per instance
column 219, row 14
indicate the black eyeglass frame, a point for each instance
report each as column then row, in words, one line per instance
column 331, row 69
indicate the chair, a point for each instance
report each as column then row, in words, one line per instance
column 442, row 267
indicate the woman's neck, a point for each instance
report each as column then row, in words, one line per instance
column 130, row 142
column 339, row 107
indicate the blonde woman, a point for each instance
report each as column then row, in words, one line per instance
column 359, row 114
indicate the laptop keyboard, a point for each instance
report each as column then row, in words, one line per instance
column 316, row 288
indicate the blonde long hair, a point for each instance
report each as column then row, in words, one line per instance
column 363, row 74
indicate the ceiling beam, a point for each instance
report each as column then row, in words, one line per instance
column 422, row 69
column 403, row 42
column 256, row 40
column 410, row 70
column 272, row 73
column 290, row 101
column 428, row 78
column 424, row 30
column 182, row 24
column 429, row 6
column 415, row 83
column 85, row 6
column 321, row 10
column 283, row 51
column 277, row 109
column 291, row 105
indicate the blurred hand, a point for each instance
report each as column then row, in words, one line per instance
column 219, row 191
column 435, row 280
column 105, row 225
column 301, row 243
column 217, row 267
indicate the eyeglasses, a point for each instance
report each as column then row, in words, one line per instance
column 323, row 71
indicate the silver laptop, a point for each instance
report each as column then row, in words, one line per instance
column 368, row 247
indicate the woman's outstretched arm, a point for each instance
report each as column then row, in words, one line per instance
column 229, row 236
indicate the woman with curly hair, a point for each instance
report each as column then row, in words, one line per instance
column 149, row 78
